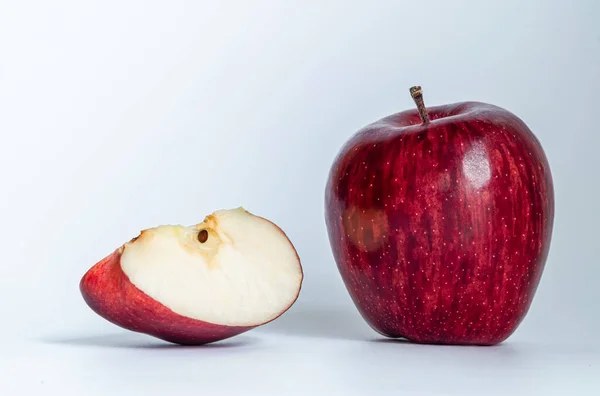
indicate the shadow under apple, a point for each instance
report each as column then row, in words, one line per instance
column 316, row 322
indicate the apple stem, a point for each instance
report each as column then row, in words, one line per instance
column 417, row 95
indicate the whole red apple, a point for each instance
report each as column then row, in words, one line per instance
column 440, row 222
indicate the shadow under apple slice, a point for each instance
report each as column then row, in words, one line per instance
column 141, row 341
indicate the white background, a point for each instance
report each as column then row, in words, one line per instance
column 121, row 115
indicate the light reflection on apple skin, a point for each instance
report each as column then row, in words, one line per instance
column 441, row 232
column 476, row 165
column 354, row 219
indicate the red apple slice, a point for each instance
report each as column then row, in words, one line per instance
column 199, row 284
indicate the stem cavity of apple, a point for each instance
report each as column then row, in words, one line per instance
column 417, row 95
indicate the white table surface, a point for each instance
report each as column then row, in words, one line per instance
column 294, row 358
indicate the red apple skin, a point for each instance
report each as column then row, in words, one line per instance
column 108, row 292
column 441, row 231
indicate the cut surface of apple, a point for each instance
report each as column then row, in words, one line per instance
column 230, row 273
